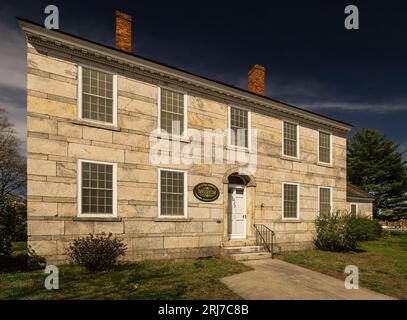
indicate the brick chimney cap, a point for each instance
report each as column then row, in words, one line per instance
column 123, row 15
column 257, row 66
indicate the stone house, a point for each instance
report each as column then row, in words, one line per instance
column 95, row 116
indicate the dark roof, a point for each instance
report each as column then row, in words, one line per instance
column 181, row 70
column 353, row 191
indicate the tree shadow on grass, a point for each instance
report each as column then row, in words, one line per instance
column 356, row 250
column 14, row 263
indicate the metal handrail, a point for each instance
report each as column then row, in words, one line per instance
column 264, row 237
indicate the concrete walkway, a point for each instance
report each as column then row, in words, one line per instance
column 273, row 279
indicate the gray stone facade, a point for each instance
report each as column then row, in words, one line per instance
column 57, row 139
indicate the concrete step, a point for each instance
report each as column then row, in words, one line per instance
column 239, row 243
column 251, row 256
column 244, row 249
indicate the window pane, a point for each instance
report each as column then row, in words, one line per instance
column 353, row 209
column 290, row 200
column 97, row 188
column 172, row 193
column 290, row 139
column 324, row 201
column 239, row 127
column 97, row 95
column 324, row 147
column 172, row 112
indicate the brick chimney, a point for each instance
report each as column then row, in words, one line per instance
column 256, row 79
column 123, row 31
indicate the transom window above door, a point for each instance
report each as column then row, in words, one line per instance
column 98, row 96
column 239, row 127
column 172, row 112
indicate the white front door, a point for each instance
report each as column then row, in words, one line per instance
column 237, row 212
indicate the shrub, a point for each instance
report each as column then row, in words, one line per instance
column 34, row 260
column 8, row 214
column 364, row 229
column 341, row 231
column 96, row 252
column 332, row 233
column 20, row 231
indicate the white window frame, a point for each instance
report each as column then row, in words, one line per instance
column 357, row 208
column 249, row 129
column 319, row 195
column 298, row 139
column 330, row 148
column 79, row 96
column 184, row 136
column 185, row 172
column 79, row 192
column 298, row 202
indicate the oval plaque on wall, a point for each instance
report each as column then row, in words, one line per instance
column 207, row 192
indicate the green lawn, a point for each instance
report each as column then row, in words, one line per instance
column 181, row 279
column 382, row 264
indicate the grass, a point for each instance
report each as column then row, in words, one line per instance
column 382, row 264
column 170, row 279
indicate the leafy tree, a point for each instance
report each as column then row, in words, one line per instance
column 377, row 166
column 12, row 164
column 8, row 221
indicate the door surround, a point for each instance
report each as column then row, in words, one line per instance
column 241, row 222
column 250, row 187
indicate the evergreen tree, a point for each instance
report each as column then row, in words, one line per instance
column 377, row 166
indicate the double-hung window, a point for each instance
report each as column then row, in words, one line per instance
column 239, row 127
column 172, row 112
column 324, row 147
column 291, row 196
column 353, row 209
column 290, row 139
column 172, row 193
column 97, row 96
column 97, row 188
column 325, row 201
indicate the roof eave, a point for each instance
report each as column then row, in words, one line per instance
column 146, row 64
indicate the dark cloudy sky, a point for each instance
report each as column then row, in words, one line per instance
column 311, row 60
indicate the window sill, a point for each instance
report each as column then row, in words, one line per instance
column 323, row 164
column 172, row 219
column 173, row 138
column 96, row 125
column 290, row 158
column 238, row 149
column 290, row 220
column 98, row 219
